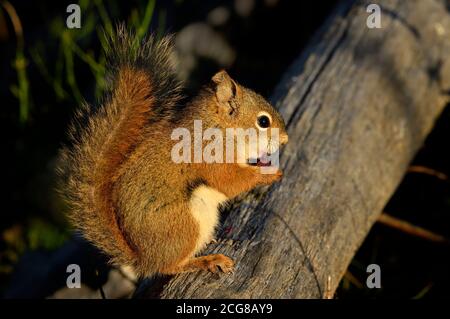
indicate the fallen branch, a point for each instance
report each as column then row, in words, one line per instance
column 358, row 104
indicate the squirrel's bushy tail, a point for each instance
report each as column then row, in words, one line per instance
column 142, row 86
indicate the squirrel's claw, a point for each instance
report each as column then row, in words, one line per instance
column 220, row 262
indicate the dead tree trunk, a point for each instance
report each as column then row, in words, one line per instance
column 359, row 103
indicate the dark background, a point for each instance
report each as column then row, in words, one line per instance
column 59, row 68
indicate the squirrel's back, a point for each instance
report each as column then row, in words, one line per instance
column 142, row 88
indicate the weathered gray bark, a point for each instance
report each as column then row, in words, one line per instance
column 359, row 103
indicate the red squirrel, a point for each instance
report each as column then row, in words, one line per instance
column 126, row 194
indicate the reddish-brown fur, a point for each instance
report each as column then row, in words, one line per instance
column 126, row 195
column 132, row 88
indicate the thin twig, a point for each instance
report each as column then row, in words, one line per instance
column 427, row 171
column 328, row 293
column 411, row 229
column 351, row 278
column 17, row 25
column 102, row 292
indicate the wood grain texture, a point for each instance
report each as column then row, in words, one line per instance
column 359, row 103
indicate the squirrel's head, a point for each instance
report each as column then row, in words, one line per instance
column 241, row 108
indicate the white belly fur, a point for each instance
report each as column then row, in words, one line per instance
column 204, row 204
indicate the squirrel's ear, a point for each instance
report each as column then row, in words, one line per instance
column 225, row 89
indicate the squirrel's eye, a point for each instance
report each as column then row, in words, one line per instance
column 263, row 121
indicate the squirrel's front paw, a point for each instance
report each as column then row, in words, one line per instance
column 217, row 262
column 272, row 178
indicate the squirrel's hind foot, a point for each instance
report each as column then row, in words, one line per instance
column 217, row 262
